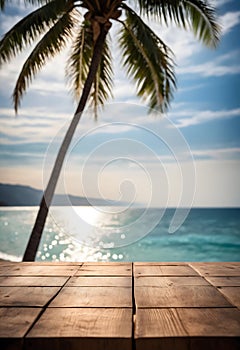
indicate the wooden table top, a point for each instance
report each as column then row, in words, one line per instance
column 103, row 306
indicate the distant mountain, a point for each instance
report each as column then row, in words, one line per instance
column 19, row 195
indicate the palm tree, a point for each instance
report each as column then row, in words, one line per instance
column 147, row 59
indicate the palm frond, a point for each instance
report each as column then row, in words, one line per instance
column 2, row 4
column 36, row 2
column 50, row 45
column 203, row 21
column 148, row 61
column 78, row 66
column 102, row 87
column 30, row 28
column 79, row 60
column 197, row 14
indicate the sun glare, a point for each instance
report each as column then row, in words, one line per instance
column 90, row 215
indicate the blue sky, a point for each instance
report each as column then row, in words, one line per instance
column 142, row 157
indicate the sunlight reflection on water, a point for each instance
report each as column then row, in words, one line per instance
column 207, row 235
column 100, row 227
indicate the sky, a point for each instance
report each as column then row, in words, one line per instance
column 189, row 157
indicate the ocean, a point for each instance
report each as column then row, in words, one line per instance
column 87, row 234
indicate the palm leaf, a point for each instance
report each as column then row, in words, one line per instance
column 51, row 44
column 2, row 4
column 102, row 87
column 79, row 60
column 30, row 28
column 148, row 61
column 203, row 21
column 196, row 13
column 78, row 66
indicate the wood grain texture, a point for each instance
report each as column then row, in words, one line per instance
column 93, row 297
column 160, row 281
column 38, row 270
column 99, row 281
column 164, row 270
column 105, row 270
column 42, row 263
column 232, row 294
column 26, row 296
column 5, row 263
column 85, row 329
column 217, row 269
column 157, row 323
column 212, row 322
column 184, row 296
column 14, row 322
column 229, row 281
column 158, row 263
column 179, row 306
column 194, row 322
column 33, row 281
column 192, row 329
column 108, row 263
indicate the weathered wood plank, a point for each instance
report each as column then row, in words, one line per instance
column 38, row 270
column 85, row 329
column 217, row 269
column 191, row 321
column 93, row 297
column 40, row 263
column 214, row 322
column 105, row 270
column 108, row 263
column 33, row 281
column 228, row 281
column 160, row 281
column 164, row 270
column 53, row 263
column 192, row 329
column 14, row 323
column 175, row 294
column 232, row 294
column 26, row 296
column 184, row 296
column 157, row 323
column 158, row 263
column 4, row 263
column 99, row 282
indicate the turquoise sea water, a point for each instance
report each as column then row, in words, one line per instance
column 206, row 235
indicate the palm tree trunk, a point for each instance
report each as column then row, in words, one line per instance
column 38, row 227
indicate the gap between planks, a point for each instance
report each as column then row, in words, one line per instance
column 46, row 306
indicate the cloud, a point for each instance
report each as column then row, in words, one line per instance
column 218, row 154
column 229, row 20
column 185, row 47
column 209, row 70
column 220, row 66
column 33, row 124
column 32, row 113
column 187, row 118
column 123, row 88
column 219, row 3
